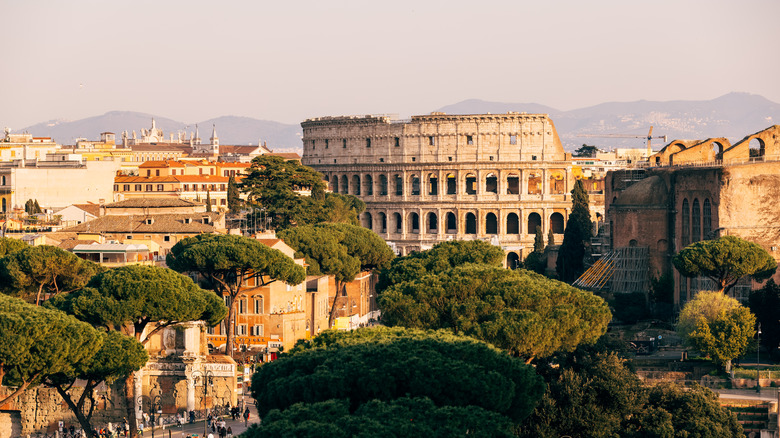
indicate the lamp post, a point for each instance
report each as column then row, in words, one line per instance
column 156, row 406
column 208, row 380
column 758, row 360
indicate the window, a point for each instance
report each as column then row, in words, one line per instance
column 686, row 223
column 149, row 187
column 138, row 187
column 242, row 306
column 129, row 237
column 222, row 187
column 314, row 144
column 126, row 187
column 368, row 142
column 186, row 187
column 513, row 139
column 397, row 142
column 157, row 172
column 452, row 184
column 222, row 201
column 257, row 330
column 470, row 139
column 533, row 157
column 148, row 172
column 204, row 187
column 167, row 238
column 431, row 141
column 326, row 143
column 344, row 143
column 116, row 187
column 241, row 329
column 695, row 222
column 707, row 220
column 259, row 305
column 160, row 187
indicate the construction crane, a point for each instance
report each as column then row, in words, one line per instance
column 649, row 138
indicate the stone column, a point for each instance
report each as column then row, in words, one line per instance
column 523, row 183
column 545, row 184
column 190, row 391
column 138, row 383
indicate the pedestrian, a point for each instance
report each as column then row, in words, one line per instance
column 209, row 418
column 246, row 416
column 141, row 428
column 222, row 432
column 230, row 432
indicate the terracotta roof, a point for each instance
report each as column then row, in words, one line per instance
column 202, row 178
column 160, row 224
column 153, row 203
column 91, row 208
column 69, row 244
column 269, row 242
column 241, row 150
column 162, row 163
column 145, row 179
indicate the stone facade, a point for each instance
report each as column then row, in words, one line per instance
column 666, row 208
column 439, row 177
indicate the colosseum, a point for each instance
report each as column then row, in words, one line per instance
column 437, row 177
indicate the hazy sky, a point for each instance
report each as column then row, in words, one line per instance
column 289, row 60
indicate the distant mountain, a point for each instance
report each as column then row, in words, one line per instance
column 231, row 130
column 733, row 116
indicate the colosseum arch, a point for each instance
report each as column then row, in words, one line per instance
column 471, row 184
column 512, row 224
column 556, row 223
column 382, row 222
column 433, row 184
column 512, row 184
column 382, row 184
column 452, row 184
column 534, row 220
column 335, row 182
column 756, row 148
column 368, row 221
column 535, row 182
column 414, row 223
column 398, row 223
column 471, row 223
column 344, row 184
column 356, row 185
column 512, row 260
column 414, row 181
column 451, row 223
column 557, row 182
column 491, row 183
column 368, row 185
column 491, row 224
column 432, row 223
column 399, row 185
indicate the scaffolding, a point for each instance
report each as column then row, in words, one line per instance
column 627, row 177
column 620, row 271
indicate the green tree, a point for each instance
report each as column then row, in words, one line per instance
column 36, row 207
column 227, row 261
column 233, row 198
column 39, row 272
column 119, row 355
column 388, row 364
column 576, row 237
column 586, row 151
column 139, row 301
column 725, row 260
column 38, row 342
column 550, row 238
column 522, row 312
column 717, row 325
column 400, row 417
column 441, row 257
column 9, row 245
column 208, row 201
column 538, row 240
column 765, row 304
column 341, row 250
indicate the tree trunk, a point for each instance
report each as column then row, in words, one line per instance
column 83, row 420
column 130, row 400
column 339, row 286
column 229, row 327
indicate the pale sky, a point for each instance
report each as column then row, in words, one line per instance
column 192, row 60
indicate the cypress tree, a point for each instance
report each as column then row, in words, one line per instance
column 233, row 201
column 550, row 237
column 36, row 207
column 576, row 237
column 538, row 240
column 208, row 201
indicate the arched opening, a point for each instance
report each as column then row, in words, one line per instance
column 717, row 151
column 344, row 184
column 399, row 185
column 452, row 184
column 368, row 185
column 471, row 184
column 534, row 183
column 695, row 222
column 4, row 206
column 556, row 183
column 706, row 222
column 335, row 187
column 433, row 185
column 368, row 221
column 382, row 185
column 471, row 223
column 415, row 185
column 491, row 224
column 512, row 260
column 556, row 223
column 433, row 223
column 632, row 243
column 512, row 224
column 451, row 223
column 491, row 183
column 685, row 236
column 398, row 222
column 382, row 223
column 414, row 223
column 356, row 185
column 757, row 149
column 534, row 221
column 512, row 184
